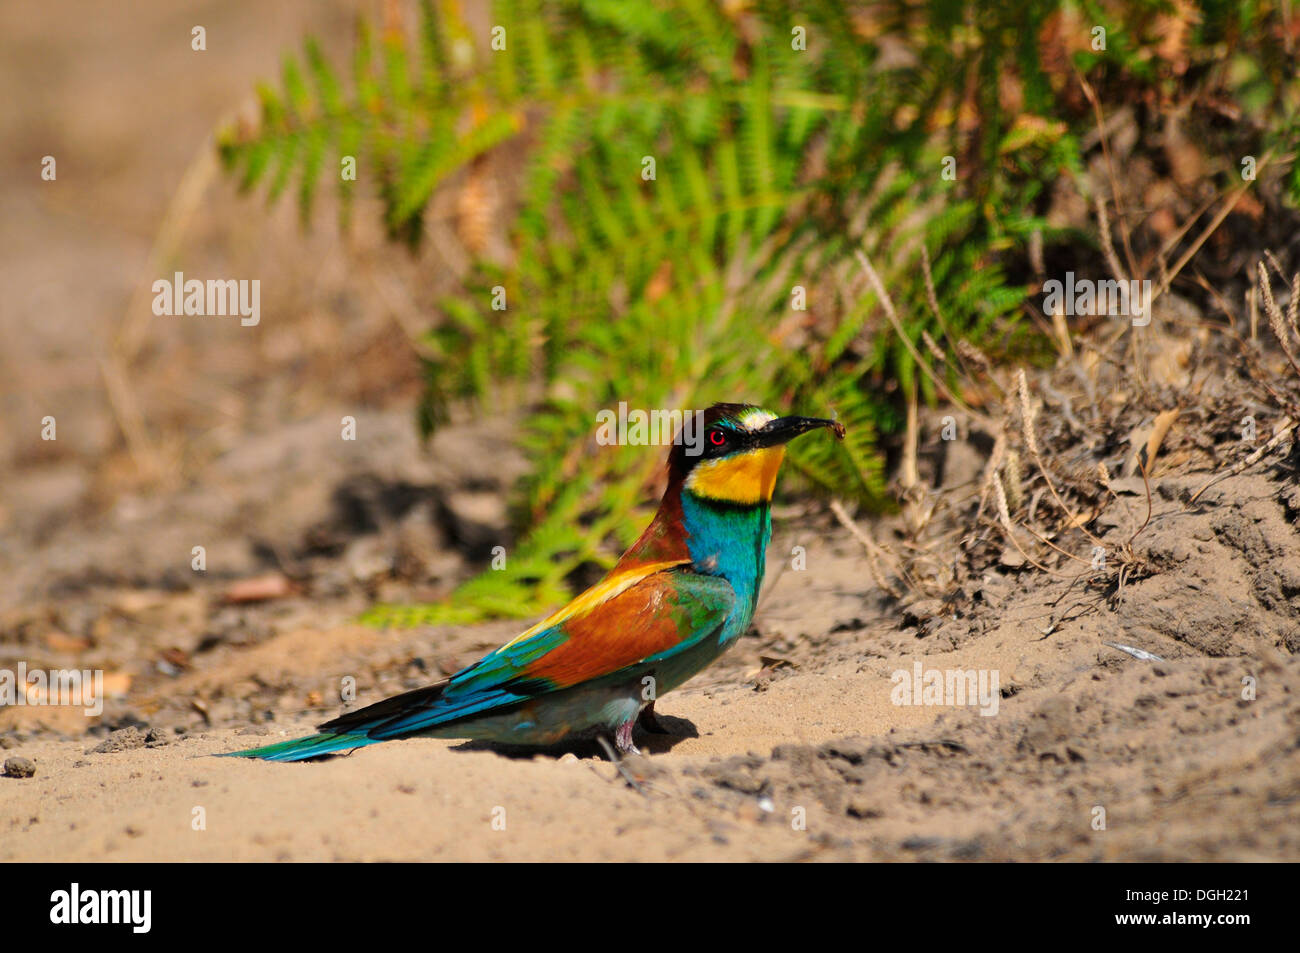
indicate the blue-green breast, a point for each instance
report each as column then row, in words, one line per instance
column 730, row 541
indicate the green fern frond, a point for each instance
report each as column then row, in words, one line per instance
column 773, row 166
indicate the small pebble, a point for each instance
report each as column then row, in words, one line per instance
column 19, row 767
column 124, row 739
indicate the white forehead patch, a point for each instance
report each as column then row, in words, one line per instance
column 753, row 419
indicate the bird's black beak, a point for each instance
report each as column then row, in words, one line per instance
column 784, row 429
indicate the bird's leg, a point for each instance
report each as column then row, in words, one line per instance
column 650, row 722
column 623, row 738
column 619, row 765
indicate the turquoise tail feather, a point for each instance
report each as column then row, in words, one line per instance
column 300, row 749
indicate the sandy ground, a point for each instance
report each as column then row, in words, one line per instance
column 806, row 757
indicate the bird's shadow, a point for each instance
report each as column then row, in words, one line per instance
column 675, row 731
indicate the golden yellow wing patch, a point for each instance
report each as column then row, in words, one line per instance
column 602, row 591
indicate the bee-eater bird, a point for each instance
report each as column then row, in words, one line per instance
column 676, row 600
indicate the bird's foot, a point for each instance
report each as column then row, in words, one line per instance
column 616, row 758
column 650, row 722
column 623, row 738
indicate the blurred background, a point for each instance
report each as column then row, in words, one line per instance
column 672, row 198
column 143, row 404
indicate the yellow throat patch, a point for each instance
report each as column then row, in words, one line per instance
column 745, row 479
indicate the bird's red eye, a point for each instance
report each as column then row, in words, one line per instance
column 717, row 438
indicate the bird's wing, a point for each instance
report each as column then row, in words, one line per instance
column 647, row 614
column 653, row 618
